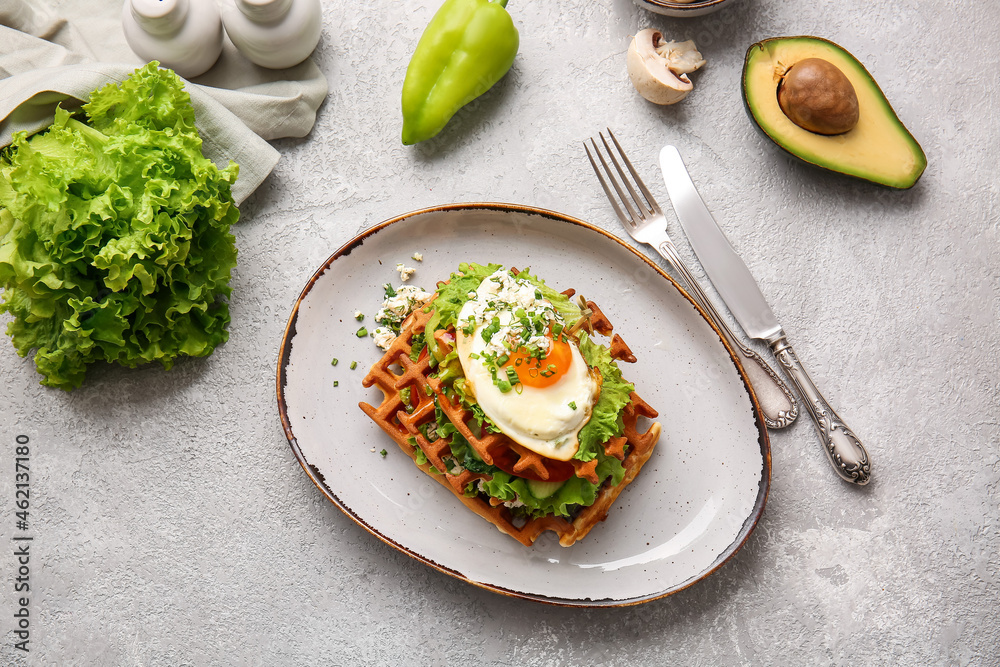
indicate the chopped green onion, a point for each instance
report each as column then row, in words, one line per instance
column 359, row 316
column 493, row 327
column 572, row 405
column 354, row 365
column 383, row 453
column 362, row 332
column 336, row 384
column 334, row 362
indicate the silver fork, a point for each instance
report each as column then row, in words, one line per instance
column 644, row 221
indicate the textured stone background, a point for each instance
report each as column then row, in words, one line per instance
column 173, row 525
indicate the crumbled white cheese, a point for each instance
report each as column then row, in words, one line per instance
column 500, row 295
column 358, row 315
column 383, row 337
column 432, row 431
column 454, row 467
column 395, row 308
column 405, row 271
column 417, row 257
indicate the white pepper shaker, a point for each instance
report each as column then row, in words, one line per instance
column 273, row 33
column 184, row 35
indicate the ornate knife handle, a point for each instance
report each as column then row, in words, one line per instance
column 845, row 451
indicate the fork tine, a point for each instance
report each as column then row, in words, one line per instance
column 626, row 219
column 655, row 207
column 604, row 183
column 642, row 209
column 633, row 215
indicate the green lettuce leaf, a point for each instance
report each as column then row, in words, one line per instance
column 451, row 296
column 569, row 311
column 606, row 419
column 114, row 234
column 575, row 492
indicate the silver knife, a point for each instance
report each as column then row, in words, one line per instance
column 738, row 289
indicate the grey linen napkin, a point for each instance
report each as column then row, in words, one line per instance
column 60, row 53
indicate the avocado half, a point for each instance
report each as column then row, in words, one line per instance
column 878, row 149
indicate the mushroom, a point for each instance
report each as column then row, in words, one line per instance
column 658, row 68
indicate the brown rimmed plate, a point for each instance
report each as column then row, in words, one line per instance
column 693, row 506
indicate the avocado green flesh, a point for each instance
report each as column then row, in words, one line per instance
column 878, row 149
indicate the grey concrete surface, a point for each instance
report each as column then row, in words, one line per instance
column 172, row 525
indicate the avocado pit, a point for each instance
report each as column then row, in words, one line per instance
column 817, row 96
column 879, row 149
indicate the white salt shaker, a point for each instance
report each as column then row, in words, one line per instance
column 184, row 35
column 273, row 33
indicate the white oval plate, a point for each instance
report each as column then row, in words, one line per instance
column 693, row 505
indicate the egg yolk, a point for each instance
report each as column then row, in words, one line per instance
column 544, row 372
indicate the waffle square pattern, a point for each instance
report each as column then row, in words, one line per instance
column 413, row 399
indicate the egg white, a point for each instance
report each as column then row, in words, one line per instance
column 539, row 418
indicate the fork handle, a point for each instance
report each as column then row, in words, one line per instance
column 777, row 403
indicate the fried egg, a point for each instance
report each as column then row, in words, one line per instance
column 529, row 379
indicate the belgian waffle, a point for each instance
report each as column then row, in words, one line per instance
column 402, row 419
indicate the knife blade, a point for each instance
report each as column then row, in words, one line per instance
column 741, row 294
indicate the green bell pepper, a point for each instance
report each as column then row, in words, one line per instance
column 467, row 47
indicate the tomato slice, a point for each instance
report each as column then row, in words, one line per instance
column 505, row 458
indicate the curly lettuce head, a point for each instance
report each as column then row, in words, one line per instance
column 114, row 234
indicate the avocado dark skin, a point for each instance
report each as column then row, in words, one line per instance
column 817, row 97
column 817, row 102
